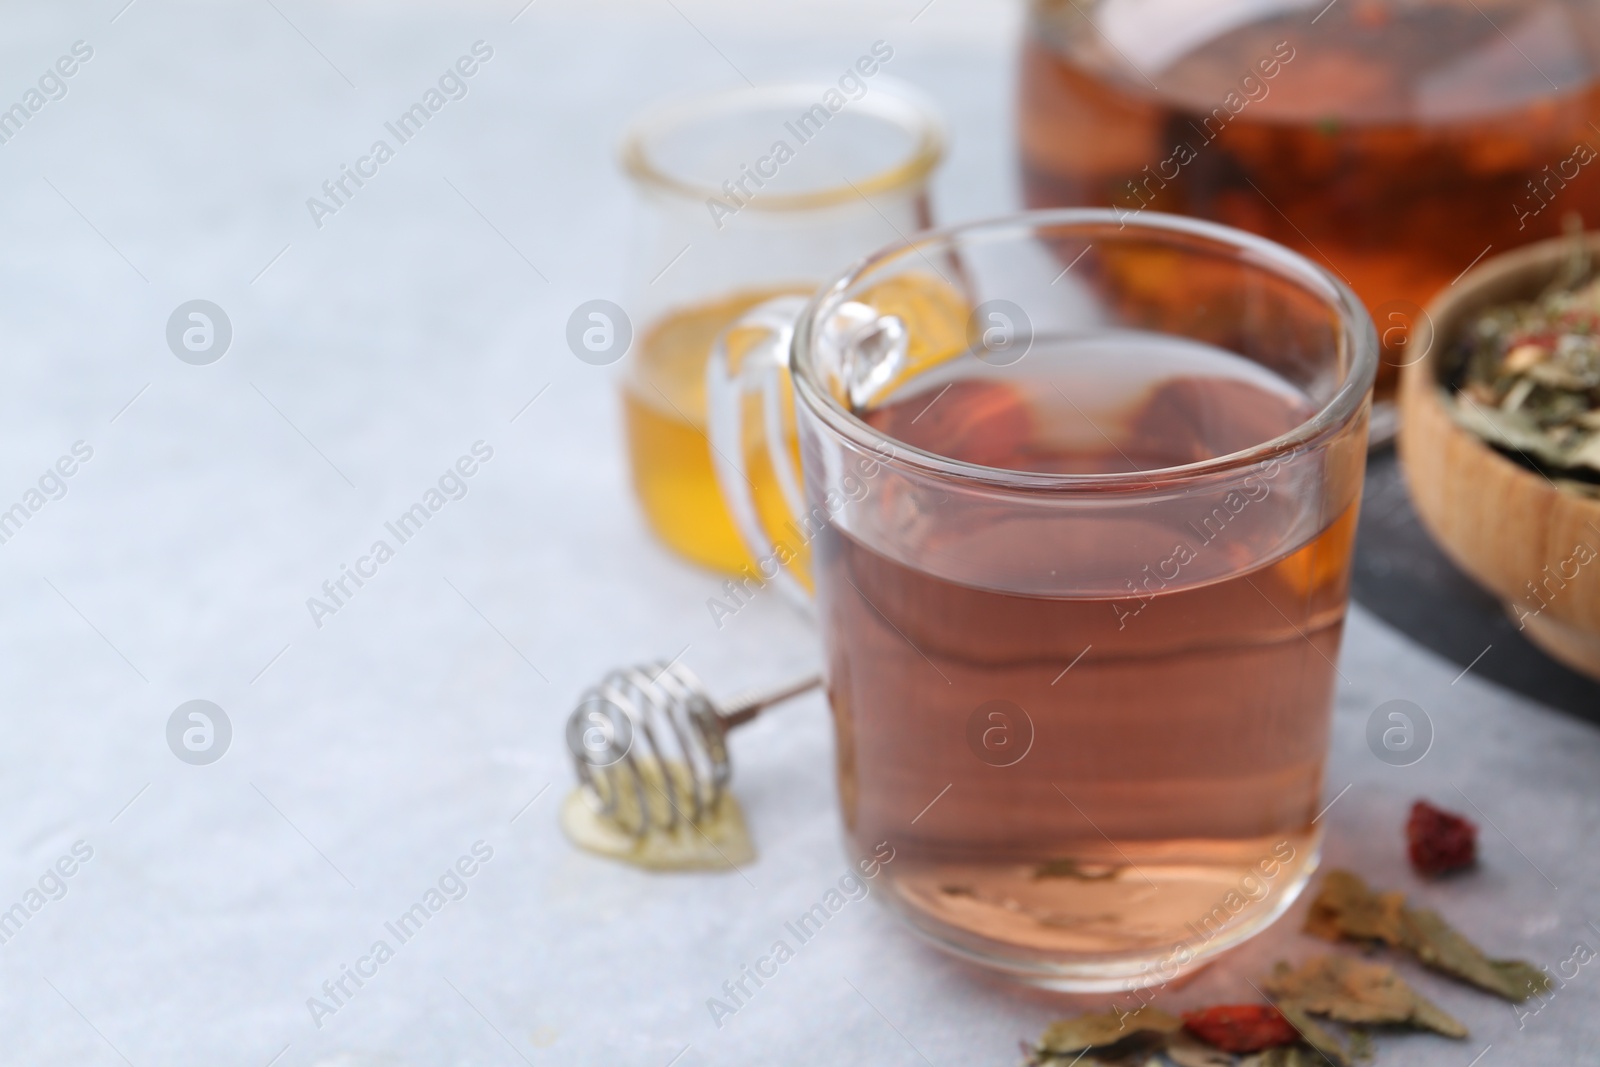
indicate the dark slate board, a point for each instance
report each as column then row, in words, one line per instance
column 1402, row 577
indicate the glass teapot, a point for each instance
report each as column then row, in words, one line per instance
column 1397, row 142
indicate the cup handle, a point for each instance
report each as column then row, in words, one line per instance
column 763, row 367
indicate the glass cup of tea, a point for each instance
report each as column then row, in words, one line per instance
column 1081, row 587
column 747, row 195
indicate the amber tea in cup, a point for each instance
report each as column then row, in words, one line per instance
column 1081, row 588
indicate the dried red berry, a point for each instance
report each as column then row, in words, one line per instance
column 1440, row 841
column 1241, row 1027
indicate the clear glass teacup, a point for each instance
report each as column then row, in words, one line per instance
column 1081, row 585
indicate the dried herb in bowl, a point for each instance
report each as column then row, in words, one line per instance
column 1528, row 380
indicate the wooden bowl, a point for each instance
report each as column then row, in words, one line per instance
column 1534, row 546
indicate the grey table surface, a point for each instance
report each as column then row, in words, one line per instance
column 370, row 752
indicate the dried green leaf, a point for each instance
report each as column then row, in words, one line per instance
column 1186, row 1050
column 1354, row 991
column 1586, row 453
column 1135, row 1050
column 1346, row 907
column 1327, row 1046
column 1513, row 430
column 1102, row 1029
column 1585, row 489
column 1285, row 1056
column 1522, row 979
column 1442, row 947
